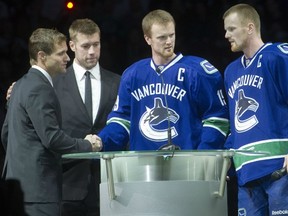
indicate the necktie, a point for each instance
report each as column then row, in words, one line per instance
column 88, row 94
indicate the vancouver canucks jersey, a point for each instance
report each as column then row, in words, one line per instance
column 258, row 101
column 187, row 94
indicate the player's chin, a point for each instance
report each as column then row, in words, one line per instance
column 234, row 48
column 169, row 53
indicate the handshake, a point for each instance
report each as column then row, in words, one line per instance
column 95, row 141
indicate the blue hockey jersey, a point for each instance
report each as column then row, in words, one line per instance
column 258, row 105
column 198, row 114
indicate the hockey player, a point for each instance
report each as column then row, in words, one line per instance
column 256, row 85
column 168, row 92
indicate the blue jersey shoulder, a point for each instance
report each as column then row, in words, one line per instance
column 275, row 55
column 277, row 49
column 200, row 64
column 137, row 66
column 283, row 47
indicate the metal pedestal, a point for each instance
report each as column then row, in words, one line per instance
column 159, row 185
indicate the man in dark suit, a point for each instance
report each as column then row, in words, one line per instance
column 31, row 133
column 81, row 177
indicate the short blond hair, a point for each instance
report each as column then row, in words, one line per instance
column 84, row 26
column 43, row 39
column 246, row 13
column 156, row 16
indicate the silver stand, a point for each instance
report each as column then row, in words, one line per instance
column 185, row 184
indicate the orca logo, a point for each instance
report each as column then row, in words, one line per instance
column 150, row 122
column 243, row 104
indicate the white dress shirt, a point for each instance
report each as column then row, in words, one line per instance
column 95, row 84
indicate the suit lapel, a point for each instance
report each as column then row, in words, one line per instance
column 105, row 89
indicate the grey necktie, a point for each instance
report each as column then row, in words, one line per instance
column 88, row 94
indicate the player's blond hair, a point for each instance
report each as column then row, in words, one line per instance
column 246, row 13
column 156, row 16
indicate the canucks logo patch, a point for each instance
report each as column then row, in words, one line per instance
column 243, row 104
column 241, row 212
column 209, row 68
column 283, row 47
column 153, row 123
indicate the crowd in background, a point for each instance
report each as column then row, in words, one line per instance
column 199, row 30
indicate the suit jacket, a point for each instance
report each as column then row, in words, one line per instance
column 77, row 123
column 33, row 139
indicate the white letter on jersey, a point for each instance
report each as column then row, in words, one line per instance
column 259, row 62
column 181, row 71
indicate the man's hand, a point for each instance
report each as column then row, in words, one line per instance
column 95, row 141
column 9, row 91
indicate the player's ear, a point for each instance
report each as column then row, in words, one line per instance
column 72, row 45
column 147, row 39
column 251, row 28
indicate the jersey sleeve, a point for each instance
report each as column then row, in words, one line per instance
column 114, row 137
column 280, row 65
column 115, row 134
column 212, row 107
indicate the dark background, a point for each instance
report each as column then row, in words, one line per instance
column 199, row 31
column 199, row 28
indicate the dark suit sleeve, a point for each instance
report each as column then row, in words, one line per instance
column 4, row 131
column 45, row 114
column 4, row 134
